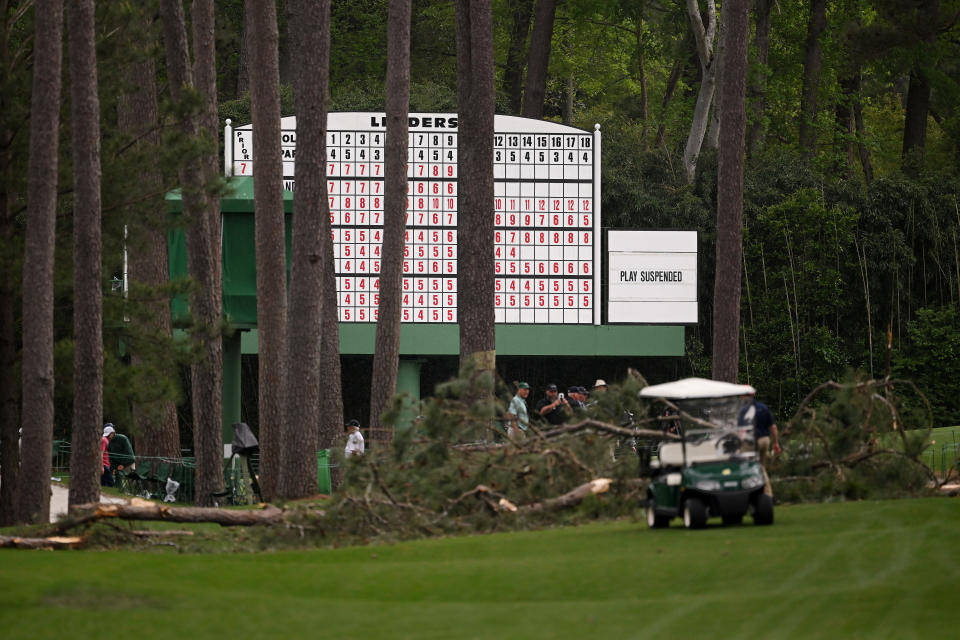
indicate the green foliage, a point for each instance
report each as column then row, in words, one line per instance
column 857, row 439
column 930, row 356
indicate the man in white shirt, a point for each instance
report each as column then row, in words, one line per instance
column 354, row 439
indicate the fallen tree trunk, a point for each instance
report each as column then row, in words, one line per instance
column 55, row 542
column 139, row 509
column 145, row 510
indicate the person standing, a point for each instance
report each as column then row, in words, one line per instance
column 106, row 478
column 765, row 432
column 518, row 420
column 355, row 446
column 552, row 407
column 574, row 399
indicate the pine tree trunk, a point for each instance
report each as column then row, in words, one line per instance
column 137, row 114
column 33, row 499
column 387, row 351
column 330, row 429
column 9, row 388
column 915, row 123
column 758, row 85
column 475, row 309
column 726, row 296
column 270, row 241
column 538, row 58
column 918, row 94
column 513, row 71
column 205, row 265
column 813, row 62
column 310, row 32
column 206, row 375
column 85, row 454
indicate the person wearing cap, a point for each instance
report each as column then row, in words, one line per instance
column 518, row 420
column 355, row 445
column 121, row 454
column 552, row 407
column 574, row 399
column 600, row 385
column 106, row 477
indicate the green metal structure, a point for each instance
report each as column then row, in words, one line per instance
column 418, row 342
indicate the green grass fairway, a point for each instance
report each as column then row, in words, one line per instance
column 844, row 570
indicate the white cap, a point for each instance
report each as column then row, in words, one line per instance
column 599, row 383
column 107, row 429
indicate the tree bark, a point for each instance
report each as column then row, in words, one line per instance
column 513, row 71
column 270, row 241
column 10, row 272
column 812, row 64
column 475, row 101
column 33, row 499
column 85, row 455
column 205, row 268
column 915, row 123
column 310, row 33
column 845, row 129
column 538, row 58
column 758, row 85
column 704, row 37
column 138, row 115
column 387, row 349
column 9, row 387
column 918, row 94
column 146, row 510
column 206, row 375
column 726, row 296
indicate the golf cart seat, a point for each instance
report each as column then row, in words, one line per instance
column 671, row 453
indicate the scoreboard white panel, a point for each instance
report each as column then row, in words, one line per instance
column 546, row 187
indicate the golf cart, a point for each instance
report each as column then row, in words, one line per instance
column 712, row 470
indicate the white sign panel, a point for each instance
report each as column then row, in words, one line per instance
column 652, row 277
column 546, row 196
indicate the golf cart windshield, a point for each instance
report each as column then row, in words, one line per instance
column 716, row 417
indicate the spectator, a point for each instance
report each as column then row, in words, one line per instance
column 121, row 453
column 574, row 399
column 518, row 420
column 764, row 428
column 600, row 385
column 552, row 407
column 106, row 477
column 354, row 439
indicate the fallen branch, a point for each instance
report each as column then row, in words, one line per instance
column 54, row 542
column 139, row 509
column 571, row 498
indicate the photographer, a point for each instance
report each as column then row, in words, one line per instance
column 553, row 407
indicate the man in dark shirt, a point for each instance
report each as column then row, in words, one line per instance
column 765, row 431
column 552, row 407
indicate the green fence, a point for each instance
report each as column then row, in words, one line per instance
column 149, row 478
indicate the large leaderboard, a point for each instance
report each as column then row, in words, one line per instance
column 545, row 210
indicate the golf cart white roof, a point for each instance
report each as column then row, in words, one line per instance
column 693, row 388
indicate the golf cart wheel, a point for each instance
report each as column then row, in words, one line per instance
column 694, row 514
column 653, row 520
column 763, row 510
column 732, row 518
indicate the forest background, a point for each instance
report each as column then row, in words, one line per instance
column 851, row 215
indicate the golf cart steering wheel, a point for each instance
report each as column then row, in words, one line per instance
column 729, row 444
